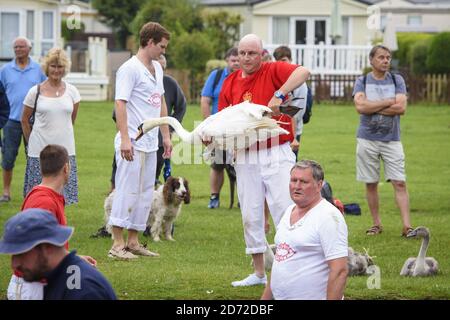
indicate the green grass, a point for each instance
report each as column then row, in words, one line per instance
column 209, row 251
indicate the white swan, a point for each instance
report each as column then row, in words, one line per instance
column 422, row 265
column 233, row 128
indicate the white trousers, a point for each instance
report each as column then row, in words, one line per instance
column 263, row 174
column 135, row 182
column 19, row 289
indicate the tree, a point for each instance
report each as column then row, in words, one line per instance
column 177, row 16
column 67, row 33
column 223, row 30
column 118, row 14
column 438, row 60
column 191, row 51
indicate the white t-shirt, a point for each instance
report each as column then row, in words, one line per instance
column 300, row 269
column 143, row 93
column 53, row 120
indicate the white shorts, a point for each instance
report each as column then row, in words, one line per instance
column 267, row 178
column 19, row 289
column 368, row 156
column 135, row 182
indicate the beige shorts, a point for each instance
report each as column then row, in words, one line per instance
column 369, row 155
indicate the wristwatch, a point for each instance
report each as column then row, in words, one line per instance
column 278, row 94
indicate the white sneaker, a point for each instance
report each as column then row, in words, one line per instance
column 251, row 280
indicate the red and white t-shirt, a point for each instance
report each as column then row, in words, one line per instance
column 300, row 268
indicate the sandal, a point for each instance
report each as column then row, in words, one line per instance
column 374, row 230
column 407, row 231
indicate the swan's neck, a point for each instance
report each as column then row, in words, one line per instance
column 176, row 125
column 423, row 251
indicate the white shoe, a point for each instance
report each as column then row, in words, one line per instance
column 251, row 280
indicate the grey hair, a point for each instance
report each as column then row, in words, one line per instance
column 25, row 39
column 374, row 50
column 316, row 168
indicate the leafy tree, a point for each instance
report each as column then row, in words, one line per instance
column 177, row 16
column 223, row 30
column 438, row 60
column 117, row 14
column 68, row 33
column 418, row 57
column 191, row 51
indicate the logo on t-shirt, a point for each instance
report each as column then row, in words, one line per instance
column 284, row 252
column 247, row 96
column 155, row 100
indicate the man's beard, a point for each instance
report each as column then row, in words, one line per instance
column 39, row 270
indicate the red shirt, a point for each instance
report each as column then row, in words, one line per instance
column 259, row 88
column 45, row 198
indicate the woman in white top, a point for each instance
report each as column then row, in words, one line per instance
column 56, row 110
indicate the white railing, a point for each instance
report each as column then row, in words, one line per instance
column 329, row 59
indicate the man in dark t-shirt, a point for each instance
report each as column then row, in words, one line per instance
column 36, row 240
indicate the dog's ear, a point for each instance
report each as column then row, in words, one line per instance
column 168, row 190
column 187, row 197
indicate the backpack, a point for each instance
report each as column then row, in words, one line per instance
column 217, row 78
column 309, row 103
column 4, row 107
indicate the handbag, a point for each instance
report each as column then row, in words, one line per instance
column 33, row 115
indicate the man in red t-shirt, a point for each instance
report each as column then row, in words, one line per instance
column 263, row 171
column 55, row 169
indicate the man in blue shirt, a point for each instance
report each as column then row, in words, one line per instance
column 380, row 99
column 17, row 77
column 208, row 104
column 36, row 241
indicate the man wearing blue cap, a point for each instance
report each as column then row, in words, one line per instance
column 36, row 242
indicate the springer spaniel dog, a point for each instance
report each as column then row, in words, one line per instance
column 166, row 206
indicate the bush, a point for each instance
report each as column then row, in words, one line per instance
column 68, row 34
column 191, row 51
column 213, row 64
column 438, row 60
column 418, row 57
column 405, row 41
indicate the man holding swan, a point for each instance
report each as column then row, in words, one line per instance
column 264, row 83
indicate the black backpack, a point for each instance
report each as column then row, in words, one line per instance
column 4, row 106
column 309, row 104
column 217, row 78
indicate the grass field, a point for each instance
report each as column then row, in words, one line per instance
column 209, row 251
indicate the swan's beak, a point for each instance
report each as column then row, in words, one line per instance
column 140, row 132
column 412, row 234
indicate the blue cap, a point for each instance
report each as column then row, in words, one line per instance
column 31, row 227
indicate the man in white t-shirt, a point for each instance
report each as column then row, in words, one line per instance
column 311, row 256
column 139, row 96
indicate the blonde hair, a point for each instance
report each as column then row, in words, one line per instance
column 56, row 55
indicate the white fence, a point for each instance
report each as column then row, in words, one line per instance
column 329, row 59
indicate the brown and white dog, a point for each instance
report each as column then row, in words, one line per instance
column 166, row 207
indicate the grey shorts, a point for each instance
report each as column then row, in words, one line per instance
column 369, row 155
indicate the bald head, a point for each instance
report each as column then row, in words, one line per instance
column 250, row 54
column 252, row 39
